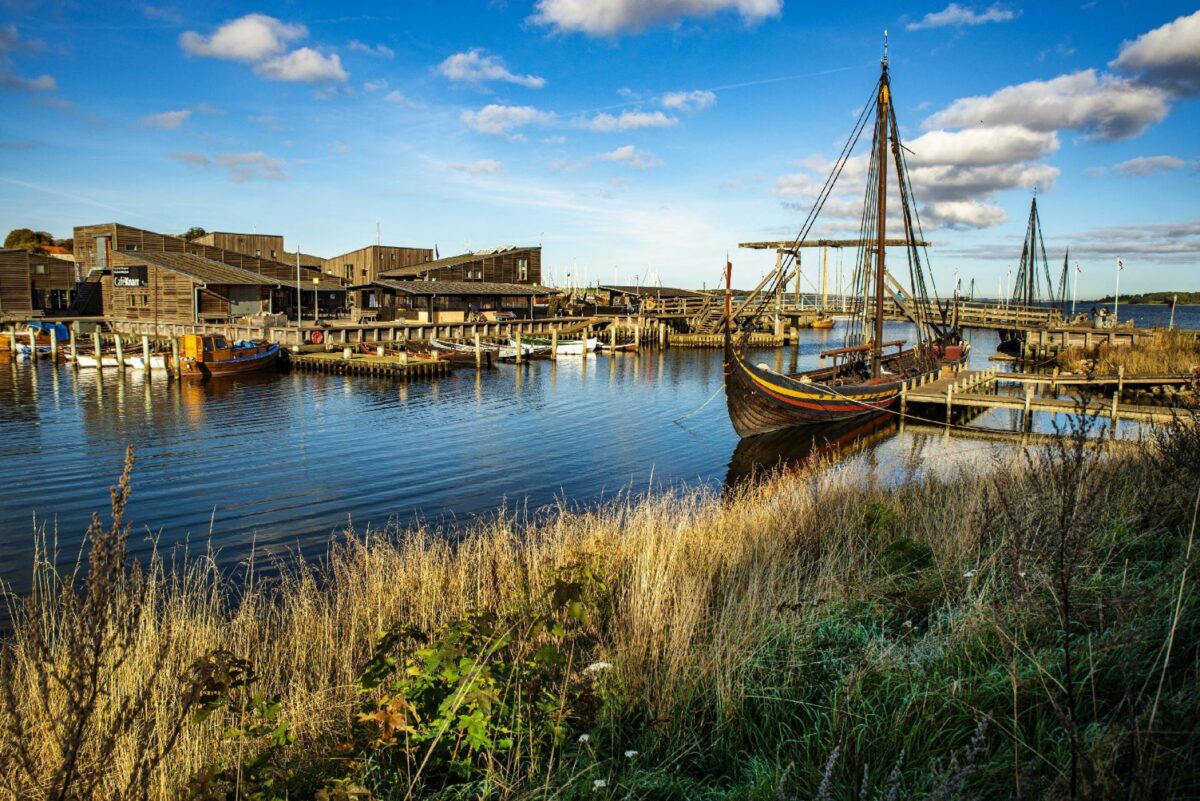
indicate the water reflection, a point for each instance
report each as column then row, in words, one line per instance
column 792, row 449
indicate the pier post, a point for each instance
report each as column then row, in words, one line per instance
column 662, row 334
column 1120, row 378
column 586, row 330
column 54, row 344
column 949, row 401
column 146, row 354
column 478, row 352
column 32, row 345
column 74, row 349
column 553, row 344
column 637, row 337
column 612, row 335
column 1028, row 398
column 903, row 399
column 99, row 352
column 12, row 342
column 518, row 345
column 175, row 356
column 120, row 352
column 1113, row 411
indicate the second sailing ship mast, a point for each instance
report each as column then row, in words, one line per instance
column 881, row 119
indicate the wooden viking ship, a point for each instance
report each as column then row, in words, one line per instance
column 867, row 373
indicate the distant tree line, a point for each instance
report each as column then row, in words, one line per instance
column 1188, row 298
column 35, row 241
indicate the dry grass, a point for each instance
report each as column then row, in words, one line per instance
column 1170, row 352
column 699, row 583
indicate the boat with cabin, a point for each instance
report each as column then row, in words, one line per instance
column 867, row 373
column 212, row 356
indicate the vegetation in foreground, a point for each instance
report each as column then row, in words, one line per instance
column 1026, row 631
column 1164, row 352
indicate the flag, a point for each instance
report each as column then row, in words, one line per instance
column 1120, row 265
column 1078, row 269
column 436, row 257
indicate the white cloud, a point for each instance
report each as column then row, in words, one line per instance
column 629, row 120
column 42, row 83
column 474, row 66
column 611, row 17
column 244, row 167
column 696, row 100
column 1100, row 106
column 303, row 66
column 1168, row 56
column 192, row 158
column 963, row 214
column 166, row 119
column 481, row 167
column 630, row 156
column 1149, row 165
column 375, row 86
column 380, row 50
column 253, row 37
column 397, row 97
column 955, row 15
column 497, row 119
column 1005, row 144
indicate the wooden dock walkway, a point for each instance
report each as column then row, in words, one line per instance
column 364, row 364
column 979, row 389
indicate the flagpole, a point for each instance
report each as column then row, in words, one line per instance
column 1117, row 295
column 1075, row 289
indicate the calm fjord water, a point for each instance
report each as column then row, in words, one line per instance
column 287, row 460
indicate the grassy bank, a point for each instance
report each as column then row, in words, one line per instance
column 1027, row 629
column 1173, row 352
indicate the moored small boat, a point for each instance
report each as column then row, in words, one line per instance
column 211, row 356
column 822, row 323
column 566, row 347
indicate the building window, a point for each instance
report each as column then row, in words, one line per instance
column 522, row 269
column 348, row 271
column 272, row 254
column 258, row 254
column 131, row 247
column 39, row 269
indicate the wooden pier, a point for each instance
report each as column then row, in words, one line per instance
column 979, row 389
column 366, row 364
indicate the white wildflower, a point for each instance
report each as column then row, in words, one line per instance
column 583, row 738
column 597, row 666
column 968, row 574
column 598, row 783
column 630, row 754
column 1021, row 573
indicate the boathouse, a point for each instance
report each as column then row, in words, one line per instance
column 441, row 301
column 502, row 265
column 618, row 298
column 182, row 288
column 366, row 264
column 34, row 284
column 263, row 246
column 97, row 248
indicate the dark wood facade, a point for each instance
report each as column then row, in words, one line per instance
column 263, row 246
column 366, row 264
column 508, row 265
column 138, row 290
column 34, row 282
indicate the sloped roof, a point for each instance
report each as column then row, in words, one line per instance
column 198, row 268
column 452, row 261
column 459, row 288
column 652, row 291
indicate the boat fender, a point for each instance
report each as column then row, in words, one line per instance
column 805, row 379
column 763, row 366
column 317, row 337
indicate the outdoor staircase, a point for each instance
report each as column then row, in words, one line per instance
column 710, row 317
column 87, row 300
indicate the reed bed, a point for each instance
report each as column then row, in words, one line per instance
column 1024, row 629
column 1165, row 352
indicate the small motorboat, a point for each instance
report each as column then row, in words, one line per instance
column 211, row 356
column 822, row 322
column 566, row 347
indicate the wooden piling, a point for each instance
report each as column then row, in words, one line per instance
column 99, row 352
column 12, row 342
column 74, row 348
column 662, row 334
column 54, row 344
column 949, row 401
column 584, row 334
column 518, row 345
column 120, row 352
column 553, row 344
column 478, row 352
column 33, row 354
column 146, row 354
column 174, row 366
column 612, row 336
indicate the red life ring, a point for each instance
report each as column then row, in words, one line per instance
column 317, row 337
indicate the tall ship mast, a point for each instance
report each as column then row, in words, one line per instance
column 867, row 372
column 1033, row 270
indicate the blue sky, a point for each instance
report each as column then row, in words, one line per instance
column 630, row 137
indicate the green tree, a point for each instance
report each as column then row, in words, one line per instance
column 33, row 241
column 195, row 232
